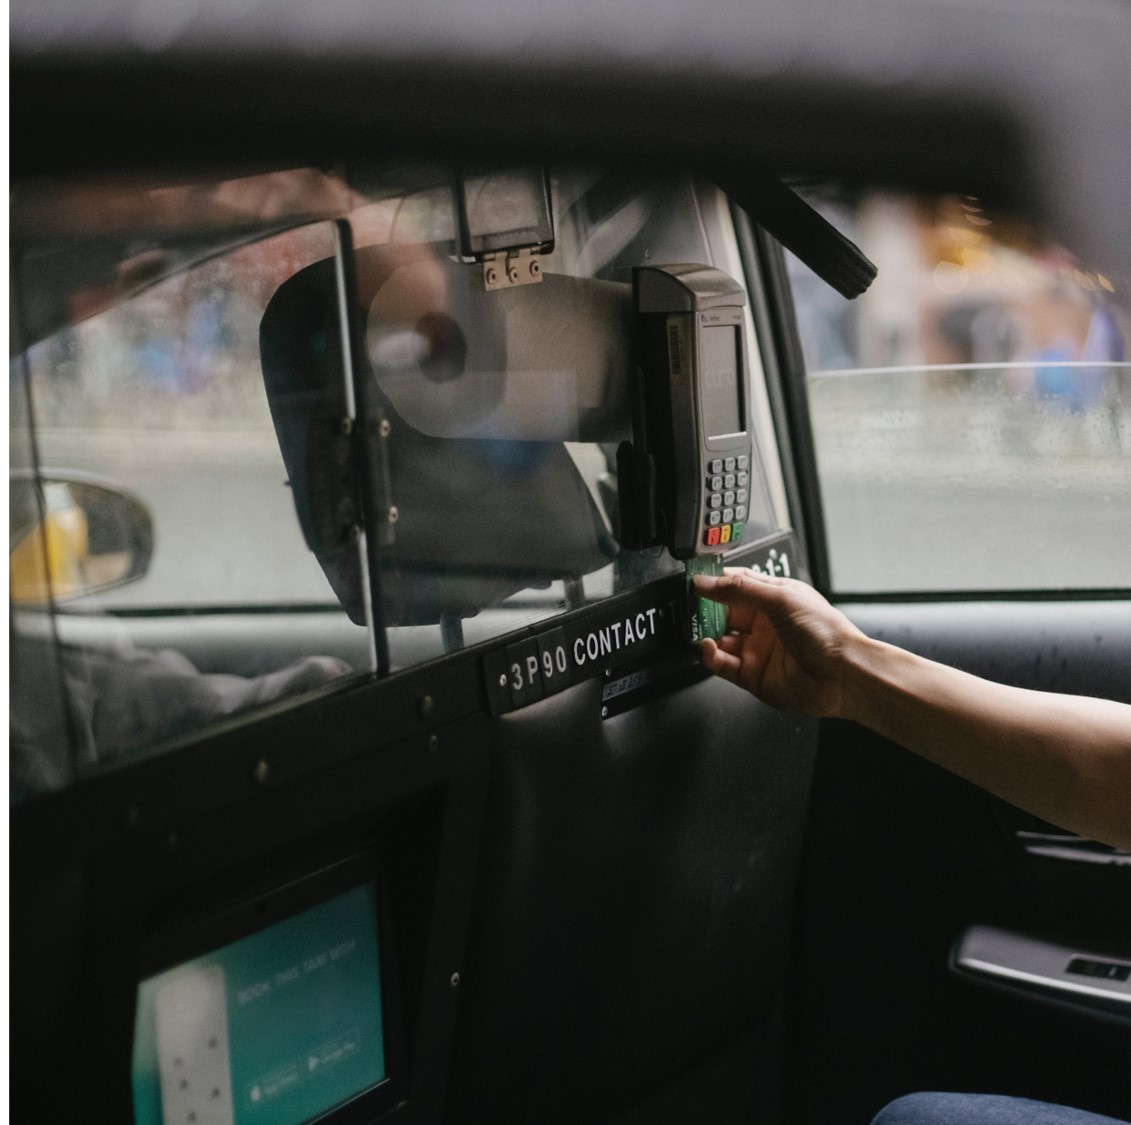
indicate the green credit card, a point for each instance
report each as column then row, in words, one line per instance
column 708, row 618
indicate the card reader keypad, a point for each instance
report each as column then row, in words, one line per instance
column 726, row 493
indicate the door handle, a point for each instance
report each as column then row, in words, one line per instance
column 1095, row 980
column 1065, row 845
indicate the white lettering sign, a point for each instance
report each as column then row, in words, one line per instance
column 612, row 638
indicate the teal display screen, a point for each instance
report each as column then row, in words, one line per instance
column 273, row 1029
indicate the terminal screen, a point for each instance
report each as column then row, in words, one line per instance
column 276, row 1028
column 719, row 379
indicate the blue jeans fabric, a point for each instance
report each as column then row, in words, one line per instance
column 982, row 1109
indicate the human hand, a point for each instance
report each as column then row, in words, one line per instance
column 786, row 644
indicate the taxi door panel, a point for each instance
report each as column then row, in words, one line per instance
column 903, row 859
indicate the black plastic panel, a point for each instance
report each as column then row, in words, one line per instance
column 632, row 904
column 634, row 907
column 155, row 849
column 1079, row 647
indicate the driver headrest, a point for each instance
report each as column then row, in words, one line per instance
column 482, row 390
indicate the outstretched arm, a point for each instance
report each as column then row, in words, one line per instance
column 1065, row 758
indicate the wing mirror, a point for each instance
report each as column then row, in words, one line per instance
column 69, row 536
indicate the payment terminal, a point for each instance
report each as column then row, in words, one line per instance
column 685, row 479
column 686, row 475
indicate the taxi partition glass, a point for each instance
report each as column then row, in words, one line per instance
column 162, row 325
column 505, row 406
column 142, row 375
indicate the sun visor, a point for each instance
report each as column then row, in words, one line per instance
column 545, row 362
column 802, row 230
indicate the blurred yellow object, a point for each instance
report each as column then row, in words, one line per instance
column 50, row 560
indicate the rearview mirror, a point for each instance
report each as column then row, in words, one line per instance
column 68, row 536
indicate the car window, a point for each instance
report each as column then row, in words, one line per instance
column 972, row 411
column 40, row 742
column 156, row 533
column 163, row 394
column 191, row 545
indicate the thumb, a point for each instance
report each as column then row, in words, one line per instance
column 744, row 592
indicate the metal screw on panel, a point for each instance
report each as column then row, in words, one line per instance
column 503, row 680
column 426, row 705
column 385, row 428
column 535, row 269
column 455, row 980
column 434, row 742
column 393, row 515
column 492, row 277
column 262, row 770
column 604, row 712
column 512, row 273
